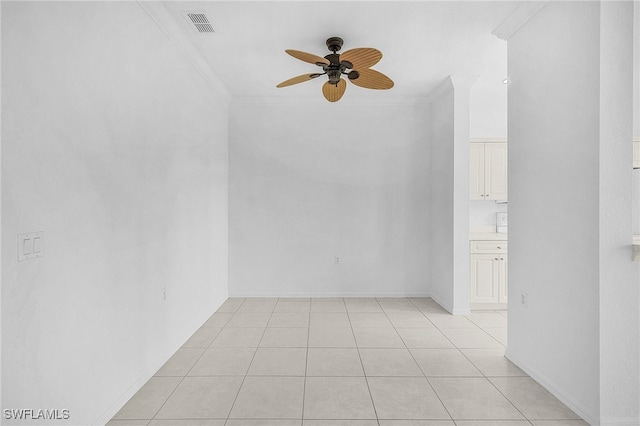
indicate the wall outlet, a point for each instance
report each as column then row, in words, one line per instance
column 336, row 260
column 164, row 293
column 524, row 299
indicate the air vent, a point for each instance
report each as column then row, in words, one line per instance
column 200, row 22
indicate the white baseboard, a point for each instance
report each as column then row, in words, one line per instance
column 329, row 294
column 147, row 374
column 446, row 306
column 555, row 390
column 621, row 421
column 449, row 308
column 488, row 306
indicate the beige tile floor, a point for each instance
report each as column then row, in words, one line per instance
column 344, row 362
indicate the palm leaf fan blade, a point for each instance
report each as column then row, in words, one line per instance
column 362, row 57
column 372, row 79
column 332, row 92
column 299, row 79
column 307, row 57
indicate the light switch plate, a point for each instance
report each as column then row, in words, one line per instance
column 30, row 246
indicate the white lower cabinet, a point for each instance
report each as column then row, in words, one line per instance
column 488, row 275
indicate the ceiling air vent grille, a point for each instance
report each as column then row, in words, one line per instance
column 200, row 22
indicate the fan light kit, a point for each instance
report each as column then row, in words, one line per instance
column 355, row 64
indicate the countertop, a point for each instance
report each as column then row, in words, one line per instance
column 487, row 236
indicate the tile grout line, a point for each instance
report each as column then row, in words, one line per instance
column 435, row 325
column 250, row 363
column 351, row 325
column 364, row 372
column 476, row 367
column 420, row 368
column 493, row 384
column 437, row 328
column 468, row 359
column 492, row 311
column 306, row 365
column 509, row 400
column 187, row 373
column 462, row 328
column 480, row 371
column 485, row 331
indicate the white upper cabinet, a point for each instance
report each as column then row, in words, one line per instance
column 488, row 171
column 495, row 171
column 476, row 172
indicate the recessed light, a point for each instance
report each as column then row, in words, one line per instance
column 505, row 81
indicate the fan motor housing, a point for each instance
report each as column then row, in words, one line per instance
column 335, row 69
column 333, row 58
column 334, row 76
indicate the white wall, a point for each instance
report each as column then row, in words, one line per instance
column 619, row 277
column 636, row 114
column 449, row 179
column 488, row 95
column 636, row 69
column 570, row 209
column 441, row 119
column 311, row 182
column 483, row 213
column 553, row 156
column 1, row 347
column 488, row 118
column 112, row 147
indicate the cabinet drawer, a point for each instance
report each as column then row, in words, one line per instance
column 488, row 247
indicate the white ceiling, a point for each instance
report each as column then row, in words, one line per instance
column 422, row 42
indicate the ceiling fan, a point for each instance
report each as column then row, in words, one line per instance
column 355, row 64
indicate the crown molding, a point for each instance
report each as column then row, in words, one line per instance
column 525, row 11
column 441, row 89
column 163, row 19
column 449, row 84
column 463, row 81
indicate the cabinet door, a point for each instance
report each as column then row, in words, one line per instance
column 484, row 270
column 495, row 171
column 476, row 171
column 502, row 279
